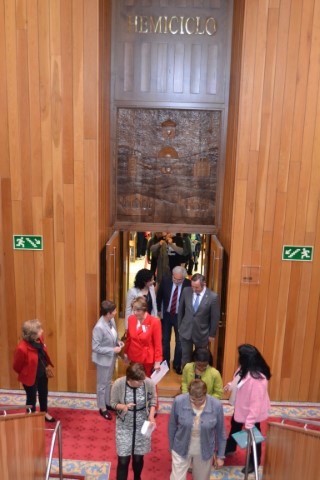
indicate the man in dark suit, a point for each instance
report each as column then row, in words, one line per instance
column 198, row 317
column 168, row 296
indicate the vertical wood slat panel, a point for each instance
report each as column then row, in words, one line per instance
column 162, row 67
column 91, row 206
column 38, row 259
column 277, row 114
column 128, row 67
column 13, row 118
column 90, row 59
column 212, row 70
column 45, row 108
column 34, row 102
column 4, row 134
column 179, row 53
column 145, row 70
column 78, row 66
column 8, row 305
column 67, row 92
column 24, row 131
column 195, row 66
column 70, row 285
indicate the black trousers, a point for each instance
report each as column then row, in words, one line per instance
column 40, row 386
column 232, row 444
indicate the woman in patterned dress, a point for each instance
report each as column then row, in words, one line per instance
column 134, row 399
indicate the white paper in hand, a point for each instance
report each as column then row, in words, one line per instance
column 147, row 428
column 158, row 375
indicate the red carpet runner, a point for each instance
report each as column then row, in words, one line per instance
column 88, row 436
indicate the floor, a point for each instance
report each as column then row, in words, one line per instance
column 100, row 470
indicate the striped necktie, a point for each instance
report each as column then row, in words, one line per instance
column 174, row 300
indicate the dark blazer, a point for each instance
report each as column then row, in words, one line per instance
column 203, row 324
column 164, row 291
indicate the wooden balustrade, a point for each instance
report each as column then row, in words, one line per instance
column 292, row 453
column 22, row 452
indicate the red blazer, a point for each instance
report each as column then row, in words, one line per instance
column 145, row 344
column 25, row 362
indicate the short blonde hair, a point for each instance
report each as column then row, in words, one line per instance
column 30, row 330
column 139, row 303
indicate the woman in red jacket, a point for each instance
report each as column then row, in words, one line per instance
column 30, row 361
column 144, row 339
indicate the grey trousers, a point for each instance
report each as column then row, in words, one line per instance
column 104, row 382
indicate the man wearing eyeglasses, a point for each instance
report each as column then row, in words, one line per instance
column 168, row 297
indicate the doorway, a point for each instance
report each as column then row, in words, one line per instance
column 121, row 265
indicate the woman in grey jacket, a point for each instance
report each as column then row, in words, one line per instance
column 196, row 431
column 105, row 348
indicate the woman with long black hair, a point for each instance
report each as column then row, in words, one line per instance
column 252, row 401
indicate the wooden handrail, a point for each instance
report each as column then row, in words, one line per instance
column 5, row 408
column 305, row 421
column 291, row 453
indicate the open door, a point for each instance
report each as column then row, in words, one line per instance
column 214, row 282
column 113, row 269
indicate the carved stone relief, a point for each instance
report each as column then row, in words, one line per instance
column 167, row 165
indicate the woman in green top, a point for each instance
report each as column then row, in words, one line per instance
column 201, row 367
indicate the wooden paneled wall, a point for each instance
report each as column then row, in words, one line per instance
column 272, row 192
column 292, row 453
column 54, row 178
column 23, row 446
column 53, row 134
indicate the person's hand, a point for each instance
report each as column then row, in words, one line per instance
column 125, row 358
column 156, row 366
column 152, row 419
column 219, row 462
column 226, row 388
column 117, row 349
column 211, row 339
column 127, row 406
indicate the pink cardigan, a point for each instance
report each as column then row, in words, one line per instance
column 252, row 401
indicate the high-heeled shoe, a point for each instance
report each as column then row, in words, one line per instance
column 51, row 420
column 105, row 414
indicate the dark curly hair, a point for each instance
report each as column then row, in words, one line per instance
column 202, row 355
column 142, row 277
column 251, row 361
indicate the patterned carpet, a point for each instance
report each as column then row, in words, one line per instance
column 97, row 470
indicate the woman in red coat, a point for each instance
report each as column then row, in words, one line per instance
column 30, row 361
column 144, row 339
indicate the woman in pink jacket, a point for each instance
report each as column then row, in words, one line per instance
column 252, row 401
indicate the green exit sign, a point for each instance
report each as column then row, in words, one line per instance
column 27, row 242
column 297, row 253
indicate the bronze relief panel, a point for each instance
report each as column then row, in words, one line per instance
column 167, row 163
